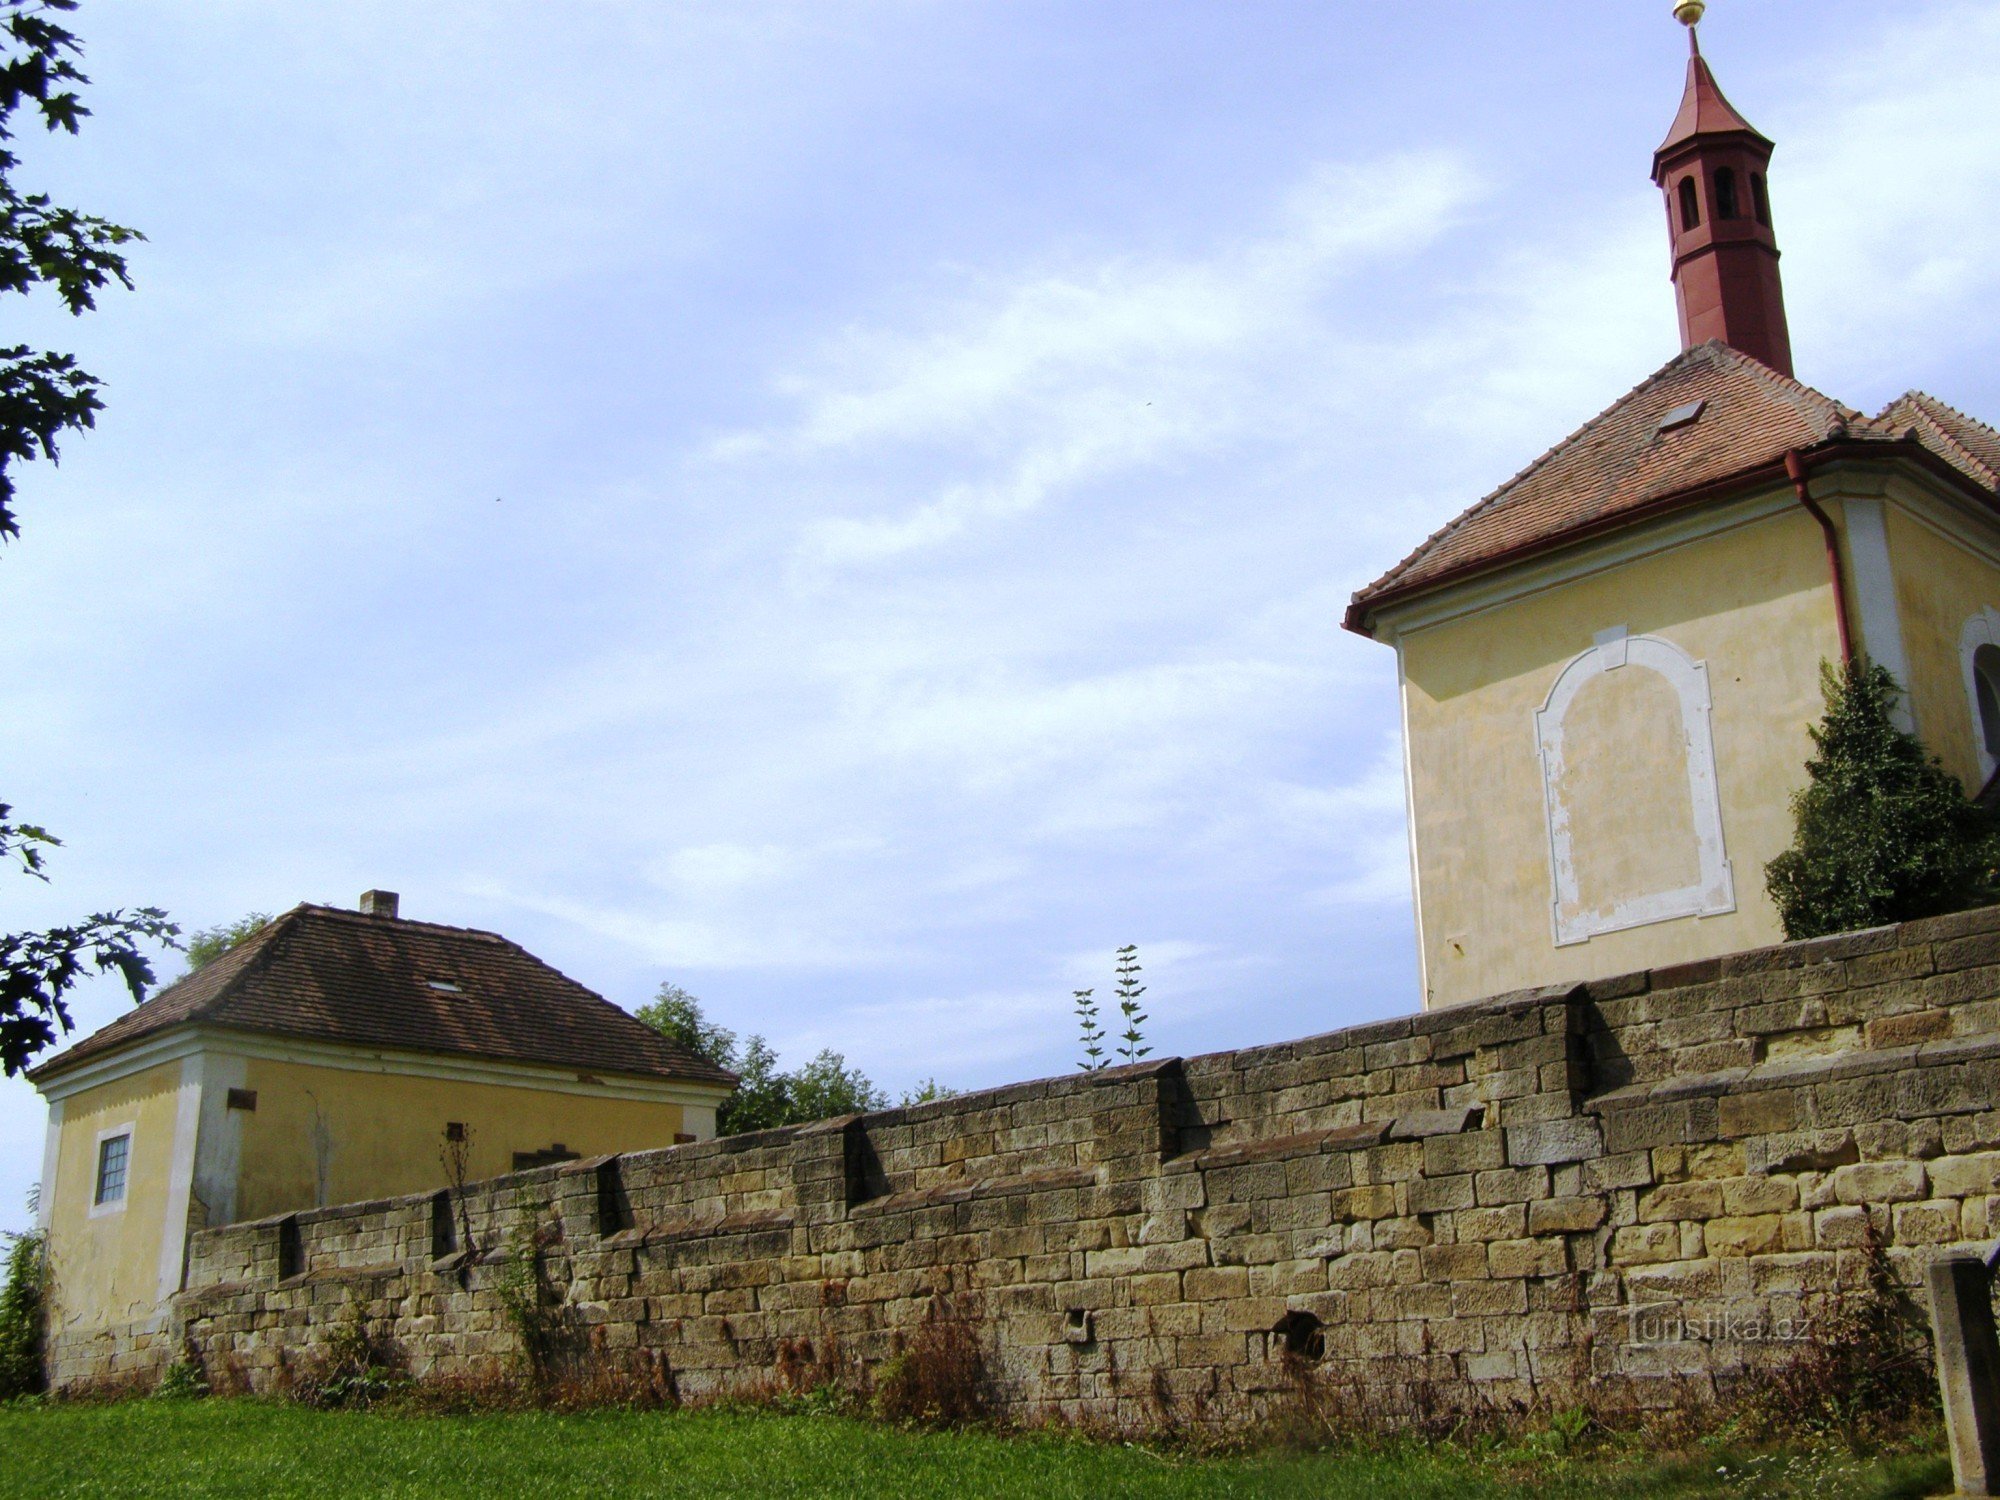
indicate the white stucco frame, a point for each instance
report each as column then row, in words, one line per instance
column 1983, row 629
column 1714, row 890
column 129, row 1129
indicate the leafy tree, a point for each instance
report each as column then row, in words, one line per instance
column 1885, row 833
column 208, row 944
column 827, row 1086
column 22, row 1315
column 677, row 1015
column 763, row 1097
column 42, row 396
column 927, row 1092
column 766, row 1095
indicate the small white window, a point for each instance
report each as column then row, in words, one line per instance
column 114, row 1154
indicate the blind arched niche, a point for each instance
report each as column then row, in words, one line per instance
column 1628, row 782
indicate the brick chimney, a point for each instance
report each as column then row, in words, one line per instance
column 379, row 903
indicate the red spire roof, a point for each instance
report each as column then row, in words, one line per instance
column 1704, row 111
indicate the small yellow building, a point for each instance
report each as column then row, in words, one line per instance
column 1610, row 665
column 335, row 1055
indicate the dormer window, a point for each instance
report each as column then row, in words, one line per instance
column 1726, row 206
column 447, row 986
column 1690, row 205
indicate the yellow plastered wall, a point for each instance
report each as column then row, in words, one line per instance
column 323, row 1135
column 1940, row 585
column 106, row 1266
column 1755, row 605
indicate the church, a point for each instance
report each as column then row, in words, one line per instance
column 1609, row 666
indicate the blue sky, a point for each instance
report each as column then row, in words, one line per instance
column 847, row 506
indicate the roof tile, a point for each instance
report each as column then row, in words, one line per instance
column 328, row 975
column 1620, row 463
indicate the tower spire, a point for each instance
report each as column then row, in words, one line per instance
column 1711, row 168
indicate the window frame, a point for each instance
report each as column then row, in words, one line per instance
column 99, row 1206
column 1690, row 204
column 1728, row 201
column 1983, row 629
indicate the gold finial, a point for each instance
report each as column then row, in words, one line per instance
column 1689, row 12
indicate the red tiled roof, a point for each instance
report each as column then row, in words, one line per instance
column 328, row 975
column 1620, row 467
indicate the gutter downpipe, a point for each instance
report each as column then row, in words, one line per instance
column 1795, row 470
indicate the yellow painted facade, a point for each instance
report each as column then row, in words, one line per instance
column 106, row 1264
column 1943, row 580
column 1567, row 722
column 225, row 1128
column 323, row 1135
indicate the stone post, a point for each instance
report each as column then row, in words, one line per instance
column 1968, row 1361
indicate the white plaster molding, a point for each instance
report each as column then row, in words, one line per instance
column 128, row 1129
column 180, row 1042
column 1714, row 891
column 1410, row 827
column 1584, row 560
column 180, row 1175
column 1875, row 593
column 1983, row 629
column 218, row 1152
column 45, row 1199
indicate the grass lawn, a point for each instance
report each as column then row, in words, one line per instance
column 255, row 1449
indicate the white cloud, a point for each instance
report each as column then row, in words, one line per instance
column 1041, row 383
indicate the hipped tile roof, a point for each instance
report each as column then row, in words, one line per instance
column 1620, row 467
column 328, row 975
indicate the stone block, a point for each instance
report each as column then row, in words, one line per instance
column 1474, row 1151
column 1373, row 1202
column 1519, row 1258
column 1880, row 1182
column 1505, row 1223
column 1630, row 1169
column 1750, row 1196
column 1566, row 1215
column 1735, row 1238
column 1489, row 1299
column 1644, row 1244
column 1455, row 1262
column 1764, row 1112
column 1965, row 1176
column 1554, row 1142
column 1429, row 1195
column 1676, row 1201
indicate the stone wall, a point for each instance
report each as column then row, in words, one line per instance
column 1658, row 1175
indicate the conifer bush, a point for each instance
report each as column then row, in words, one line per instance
column 1885, row 833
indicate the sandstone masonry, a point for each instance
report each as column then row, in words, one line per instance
column 1660, row 1175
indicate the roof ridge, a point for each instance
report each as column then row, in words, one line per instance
column 361, row 917
column 1786, row 385
column 1927, row 407
column 1480, row 506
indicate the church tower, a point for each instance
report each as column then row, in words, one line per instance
column 1713, row 170
column 1610, row 666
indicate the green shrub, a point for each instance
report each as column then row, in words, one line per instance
column 181, row 1381
column 23, row 1309
column 1885, row 833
